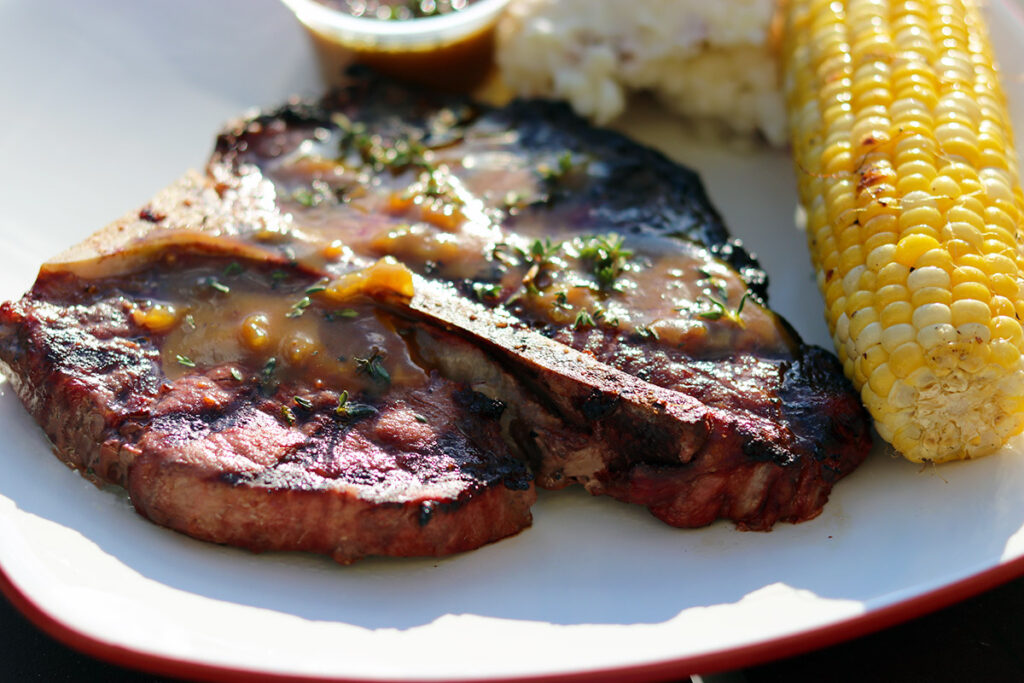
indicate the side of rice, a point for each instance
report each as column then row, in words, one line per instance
column 706, row 59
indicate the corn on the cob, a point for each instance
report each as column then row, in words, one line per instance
column 910, row 186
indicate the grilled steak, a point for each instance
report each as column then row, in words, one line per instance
column 248, row 356
column 597, row 243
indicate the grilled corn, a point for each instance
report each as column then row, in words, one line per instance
column 907, row 175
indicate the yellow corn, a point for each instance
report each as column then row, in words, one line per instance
column 907, row 175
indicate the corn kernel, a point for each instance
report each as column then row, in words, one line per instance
column 913, row 246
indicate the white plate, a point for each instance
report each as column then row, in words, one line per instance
column 106, row 103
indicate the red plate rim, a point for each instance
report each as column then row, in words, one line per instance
column 711, row 662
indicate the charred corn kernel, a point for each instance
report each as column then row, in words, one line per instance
column 255, row 332
column 903, row 153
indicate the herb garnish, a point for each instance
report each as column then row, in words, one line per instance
column 304, row 196
column 396, row 155
column 214, row 283
column 303, row 402
column 743, row 300
column 607, row 257
column 316, row 194
column 373, row 365
column 646, row 332
column 717, row 310
column 486, row 290
column 267, row 384
column 541, row 253
column 343, row 314
column 233, row 268
column 288, row 415
column 583, row 320
column 237, row 374
column 185, row 360
column 299, row 307
column 561, row 168
column 350, row 409
column 720, row 309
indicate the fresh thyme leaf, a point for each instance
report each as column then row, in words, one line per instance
column 645, row 332
column 277, row 277
column 190, row 320
column 316, row 289
column 565, row 162
column 237, row 374
column 288, row 415
column 350, row 409
column 541, row 251
column 485, row 290
column 217, row 285
column 373, row 365
column 185, row 361
column 717, row 311
column 743, row 300
column 233, row 268
column 267, row 384
column 508, row 253
column 299, row 307
column 583, row 320
column 607, row 257
column 562, row 299
column 561, row 168
column 357, row 410
column 343, row 314
column 304, row 196
column 420, row 418
column 303, row 402
column 316, row 194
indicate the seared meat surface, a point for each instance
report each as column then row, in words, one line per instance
column 594, row 242
column 378, row 318
column 140, row 380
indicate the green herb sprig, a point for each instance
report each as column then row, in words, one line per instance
column 607, row 257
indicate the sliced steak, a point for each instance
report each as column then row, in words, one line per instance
column 152, row 380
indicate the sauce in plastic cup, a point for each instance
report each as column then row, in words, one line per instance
column 452, row 51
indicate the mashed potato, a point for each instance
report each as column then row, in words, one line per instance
column 707, row 59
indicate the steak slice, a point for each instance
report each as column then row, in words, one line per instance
column 138, row 380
